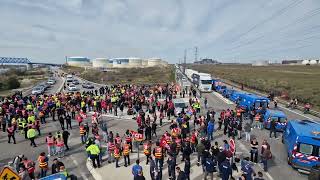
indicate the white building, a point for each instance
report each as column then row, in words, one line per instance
column 78, row 61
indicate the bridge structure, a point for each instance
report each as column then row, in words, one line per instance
column 17, row 61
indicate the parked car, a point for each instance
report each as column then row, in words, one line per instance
column 37, row 90
column 87, row 85
column 75, row 82
column 72, row 87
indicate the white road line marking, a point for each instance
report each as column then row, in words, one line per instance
column 223, row 98
column 295, row 112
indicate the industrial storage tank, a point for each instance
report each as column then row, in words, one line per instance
column 135, row 62
column 144, row 62
column 78, row 61
column 100, row 63
column 154, row 62
column 120, row 62
column 313, row 62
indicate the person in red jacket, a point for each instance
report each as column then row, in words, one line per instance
column 10, row 131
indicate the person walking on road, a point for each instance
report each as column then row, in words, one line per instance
column 65, row 136
column 153, row 168
column 205, row 103
column 171, row 167
column 210, row 168
column 210, row 130
column 126, row 154
column 136, row 169
column 11, row 134
column 273, row 128
column 247, row 131
column 60, row 146
column 181, row 174
column 94, row 152
column 50, row 140
column 31, row 134
column 116, row 154
column 68, row 121
column 43, row 164
column 61, row 121
column 254, row 150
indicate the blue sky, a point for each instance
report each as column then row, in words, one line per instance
column 227, row 30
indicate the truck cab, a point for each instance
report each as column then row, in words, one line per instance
column 252, row 102
column 302, row 141
column 275, row 115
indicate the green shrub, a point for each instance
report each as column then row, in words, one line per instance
column 13, row 82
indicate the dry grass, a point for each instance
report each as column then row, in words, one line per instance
column 302, row 82
column 150, row 75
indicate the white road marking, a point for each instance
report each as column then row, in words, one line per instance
column 227, row 101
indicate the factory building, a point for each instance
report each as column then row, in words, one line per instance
column 101, row 63
column 78, row 61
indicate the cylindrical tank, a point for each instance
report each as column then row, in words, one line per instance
column 100, row 63
column 305, row 62
column 313, row 61
column 154, row 62
column 78, row 61
column 120, row 62
column 135, row 62
column 144, row 63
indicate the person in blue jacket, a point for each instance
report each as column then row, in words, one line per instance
column 226, row 170
column 247, row 168
column 210, row 130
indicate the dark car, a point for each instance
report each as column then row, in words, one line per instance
column 87, row 85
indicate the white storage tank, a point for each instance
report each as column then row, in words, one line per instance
column 154, row 62
column 120, row 62
column 135, row 62
column 144, row 62
column 305, row 62
column 78, row 61
column 100, row 63
column 313, row 61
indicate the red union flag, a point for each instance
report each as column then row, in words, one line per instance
column 232, row 146
column 138, row 137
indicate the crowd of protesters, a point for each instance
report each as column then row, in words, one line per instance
column 191, row 131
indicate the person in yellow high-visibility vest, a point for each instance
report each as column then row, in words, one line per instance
column 31, row 134
column 31, row 119
column 94, row 152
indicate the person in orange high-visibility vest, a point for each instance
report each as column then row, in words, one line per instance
column 116, row 154
column 239, row 113
column 193, row 140
column 128, row 136
column 158, row 154
column 147, row 150
column 257, row 119
column 43, row 164
column 126, row 154
column 82, row 132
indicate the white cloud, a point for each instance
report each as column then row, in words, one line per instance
column 223, row 29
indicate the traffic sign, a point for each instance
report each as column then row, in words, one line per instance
column 9, row 174
column 232, row 146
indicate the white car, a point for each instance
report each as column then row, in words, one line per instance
column 37, row 90
column 72, row 88
column 51, row 81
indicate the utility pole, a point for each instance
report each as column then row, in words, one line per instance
column 185, row 61
column 196, row 54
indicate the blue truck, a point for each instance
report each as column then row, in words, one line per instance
column 227, row 92
column 275, row 115
column 236, row 95
column 251, row 102
column 302, row 141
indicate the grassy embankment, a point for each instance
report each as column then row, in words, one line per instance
column 302, row 82
column 150, row 75
column 14, row 79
